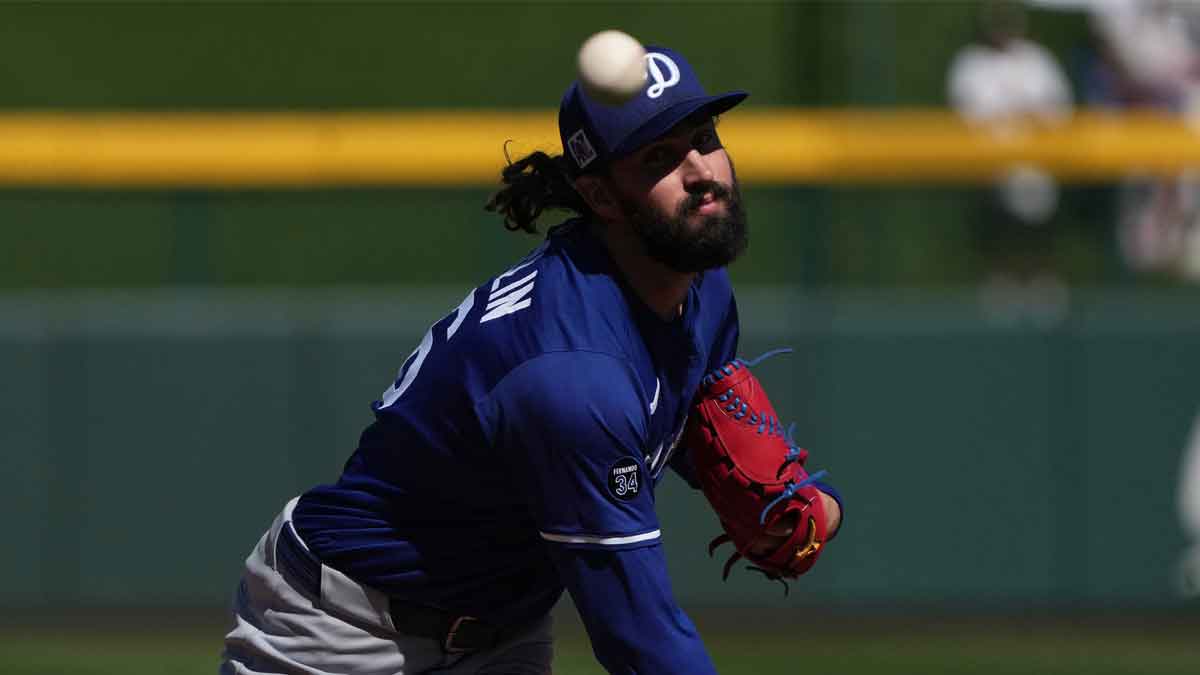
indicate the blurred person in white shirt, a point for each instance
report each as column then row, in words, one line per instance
column 1005, row 81
column 1009, row 85
column 1149, row 57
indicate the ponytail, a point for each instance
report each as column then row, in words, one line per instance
column 531, row 185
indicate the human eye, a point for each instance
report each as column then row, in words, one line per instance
column 705, row 140
column 657, row 157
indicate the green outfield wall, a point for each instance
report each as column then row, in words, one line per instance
column 809, row 236
column 149, row 437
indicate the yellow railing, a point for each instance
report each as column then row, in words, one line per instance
column 439, row 148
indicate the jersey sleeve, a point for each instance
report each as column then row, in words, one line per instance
column 572, row 424
column 629, row 611
column 570, row 427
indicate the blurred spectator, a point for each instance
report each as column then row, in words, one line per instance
column 1010, row 86
column 1149, row 57
column 1189, row 513
column 1004, row 80
column 1148, row 47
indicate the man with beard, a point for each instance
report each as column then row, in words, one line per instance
column 515, row 454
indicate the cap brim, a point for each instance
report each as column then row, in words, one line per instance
column 666, row 120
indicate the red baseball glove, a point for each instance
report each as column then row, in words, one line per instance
column 752, row 474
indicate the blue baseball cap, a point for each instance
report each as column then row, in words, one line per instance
column 594, row 133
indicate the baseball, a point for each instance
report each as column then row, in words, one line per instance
column 612, row 67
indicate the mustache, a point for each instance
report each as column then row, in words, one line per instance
column 719, row 191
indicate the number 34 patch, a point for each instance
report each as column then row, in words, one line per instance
column 625, row 479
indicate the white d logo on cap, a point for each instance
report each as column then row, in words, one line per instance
column 660, row 83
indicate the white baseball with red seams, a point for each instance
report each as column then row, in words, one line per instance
column 612, row 67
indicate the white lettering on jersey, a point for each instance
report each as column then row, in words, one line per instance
column 501, row 301
column 532, row 259
column 461, row 314
column 511, row 298
column 657, row 390
column 415, row 359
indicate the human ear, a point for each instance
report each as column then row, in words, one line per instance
column 599, row 196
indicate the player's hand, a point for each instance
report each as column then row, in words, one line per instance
column 778, row 532
column 833, row 514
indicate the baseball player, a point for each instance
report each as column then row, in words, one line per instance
column 515, row 454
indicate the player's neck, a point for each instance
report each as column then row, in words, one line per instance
column 662, row 289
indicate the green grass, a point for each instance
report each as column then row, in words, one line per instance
column 976, row 653
column 845, row 647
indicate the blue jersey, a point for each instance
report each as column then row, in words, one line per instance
column 517, row 451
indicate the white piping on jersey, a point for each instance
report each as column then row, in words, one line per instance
column 657, row 389
column 675, row 441
column 603, row 541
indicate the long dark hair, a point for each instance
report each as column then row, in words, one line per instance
column 533, row 184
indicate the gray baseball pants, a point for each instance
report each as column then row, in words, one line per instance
column 280, row 629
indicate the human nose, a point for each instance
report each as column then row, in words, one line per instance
column 696, row 168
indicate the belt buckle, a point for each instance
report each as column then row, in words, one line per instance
column 461, row 628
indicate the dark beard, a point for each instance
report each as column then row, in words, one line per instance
column 716, row 241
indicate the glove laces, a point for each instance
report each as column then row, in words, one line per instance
column 790, row 491
column 765, row 423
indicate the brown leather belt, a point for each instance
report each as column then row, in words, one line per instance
column 457, row 633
